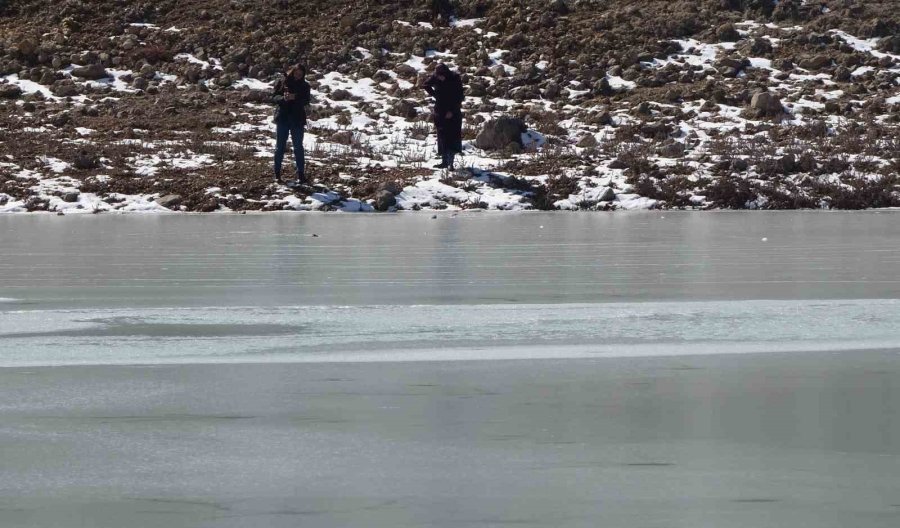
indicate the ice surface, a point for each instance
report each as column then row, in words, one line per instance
column 319, row 334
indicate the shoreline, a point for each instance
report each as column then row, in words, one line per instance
column 435, row 212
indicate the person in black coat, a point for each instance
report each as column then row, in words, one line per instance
column 447, row 89
column 291, row 96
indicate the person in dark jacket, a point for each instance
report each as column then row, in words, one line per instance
column 291, row 96
column 447, row 89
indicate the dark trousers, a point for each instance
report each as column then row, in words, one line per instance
column 293, row 128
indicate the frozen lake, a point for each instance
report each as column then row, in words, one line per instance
column 654, row 369
column 232, row 288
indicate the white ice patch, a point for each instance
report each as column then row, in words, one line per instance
column 253, row 84
column 468, row 22
column 215, row 65
column 618, row 83
column 55, row 164
column 864, row 45
column 30, row 87
column 463, row 332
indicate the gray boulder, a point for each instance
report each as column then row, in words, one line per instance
column 499, row 133
column 764, row 104
column 169, row 201
column 727, row 33
column 90, row 72
column 816, row 62
column 392, row 187
column 405, row 108
column 588, row 141
column 384, row 200
column 64, row 89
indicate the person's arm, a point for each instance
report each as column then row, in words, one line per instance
column 428, row 86
column 278, row 93
column 460, row 94
column 307, row 94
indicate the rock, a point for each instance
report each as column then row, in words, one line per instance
column 169, row 201
column 842, row 74
column 85, row 161
column 47, row 78
column 209, row 205
column 392, row 187
column 10, row 91
column 148, row 71
column 516, row 40
column 91, row 72
column 602, row 87
column 559, row 7
column 384, row 200
column 730, row 67
column 608, row 195
column 757, row 47
column 588, row 141
column 340, row 95
column 783, row 64
column 551, row 91
column 816, row 62
column 70, row 197
column 739, row 165
column 250, row 21
column 406, row 71
column 764, row 104
column 499, row 133
column 787, row 164
column 642, row 109
column 61, row 119
column 405, row 109
column 140, row 83
column 27, row 47
column 671, row 149
column 727, row 33
column 344, row 137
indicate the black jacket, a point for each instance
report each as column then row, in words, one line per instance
column 448, row 94
column 291, row 110
column 448, row 98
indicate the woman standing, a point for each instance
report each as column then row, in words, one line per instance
column 447, row 89
column 291, row 95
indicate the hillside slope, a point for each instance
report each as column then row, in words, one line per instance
column 113, row 105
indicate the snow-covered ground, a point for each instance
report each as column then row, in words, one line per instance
column 355, row 117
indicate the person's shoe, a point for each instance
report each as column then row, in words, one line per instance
column 441, row 165
column 278, row 178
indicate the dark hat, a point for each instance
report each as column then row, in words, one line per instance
column 442, row 69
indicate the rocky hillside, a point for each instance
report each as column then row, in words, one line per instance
column 126, row 105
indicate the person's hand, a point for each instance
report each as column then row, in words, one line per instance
column 289, row 96
column 449, row 115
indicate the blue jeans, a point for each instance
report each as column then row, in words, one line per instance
column 295, row 129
